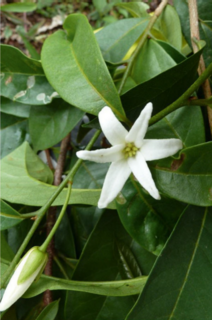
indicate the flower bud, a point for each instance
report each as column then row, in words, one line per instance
column 29, row 268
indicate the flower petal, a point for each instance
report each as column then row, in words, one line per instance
column 115, row 179
column 139, row 128
column 143, row 175
column 159, row 149
column 103, row 155
column 114, row 131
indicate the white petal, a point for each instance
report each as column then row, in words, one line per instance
column 114, row 131
column 143, row 175
column 139, row 128
column 14, row 291
column 115, row 179
column 103, row 155
column 159, row 149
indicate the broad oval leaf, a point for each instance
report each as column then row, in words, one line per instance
column 53, row 122
column 19, row 187
column 79, row 76
column 179, row 286
column 23, row 79
column 14, row 108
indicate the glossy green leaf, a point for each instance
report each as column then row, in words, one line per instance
column 174, row 53
column 188, row 179
column 19, row 187
column 23, row 79
column 107, row 288
column 136, row 9
column 17, row 234
column 36, row 168
column 116, row 39
column 185, row 124
column 99, row 263
column 14, row 108
column 163, row 89
column 14, row 132
column 150, row 61
column 3, row 268
column 79, row 76
column 49, row 124
column 169, row 25
column 9, row 216
column 50, row 311
column 147, row 220
column 179, row 286
column 19, row 7
column 205, row 24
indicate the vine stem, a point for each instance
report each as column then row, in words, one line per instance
column 195, row 36
column 152, row 21
column 181, row 101
column 42, row 212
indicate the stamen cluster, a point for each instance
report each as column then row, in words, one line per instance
column 130, row 150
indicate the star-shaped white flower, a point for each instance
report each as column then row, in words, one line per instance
column 129, row 153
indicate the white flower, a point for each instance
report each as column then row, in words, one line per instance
column 28, row 269
column 129, row 153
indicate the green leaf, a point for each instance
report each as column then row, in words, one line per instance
column 150, row 61
column 9, row 216
column 14, row 108
column 49, row 124
column 147, row 220
column 50, row 311
column 169, row 25
column 185, row 124
column 6, row 251
column 79, row 76
column 116, row 39
column 136, row 9
column 187, row 179
column 163, row 89
column 14, row 132
column 23, row 79
column 19, row 7
column 98, row 263
column 36, row 168
column 179, row 286
column 205, row 24
column 19, row 187
column 106, row 288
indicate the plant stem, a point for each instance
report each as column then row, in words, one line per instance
column 194, row 31
column 44, row 246
column 42, row 212
column 184, row 97
column 152, row 21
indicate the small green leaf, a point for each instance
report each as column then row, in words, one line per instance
column 9, row 216
column 19, row 7
column 6, row 251
column 23, row 79
column 136, row 9
column 116, row 39
column 50, row 311
column 79, row 76
column 49, row 124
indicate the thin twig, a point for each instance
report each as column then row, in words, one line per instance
column 194, row 29
column 47, row 298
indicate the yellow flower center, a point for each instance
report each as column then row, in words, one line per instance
column 130, row 150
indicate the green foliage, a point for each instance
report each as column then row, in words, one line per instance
column 140, row 258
